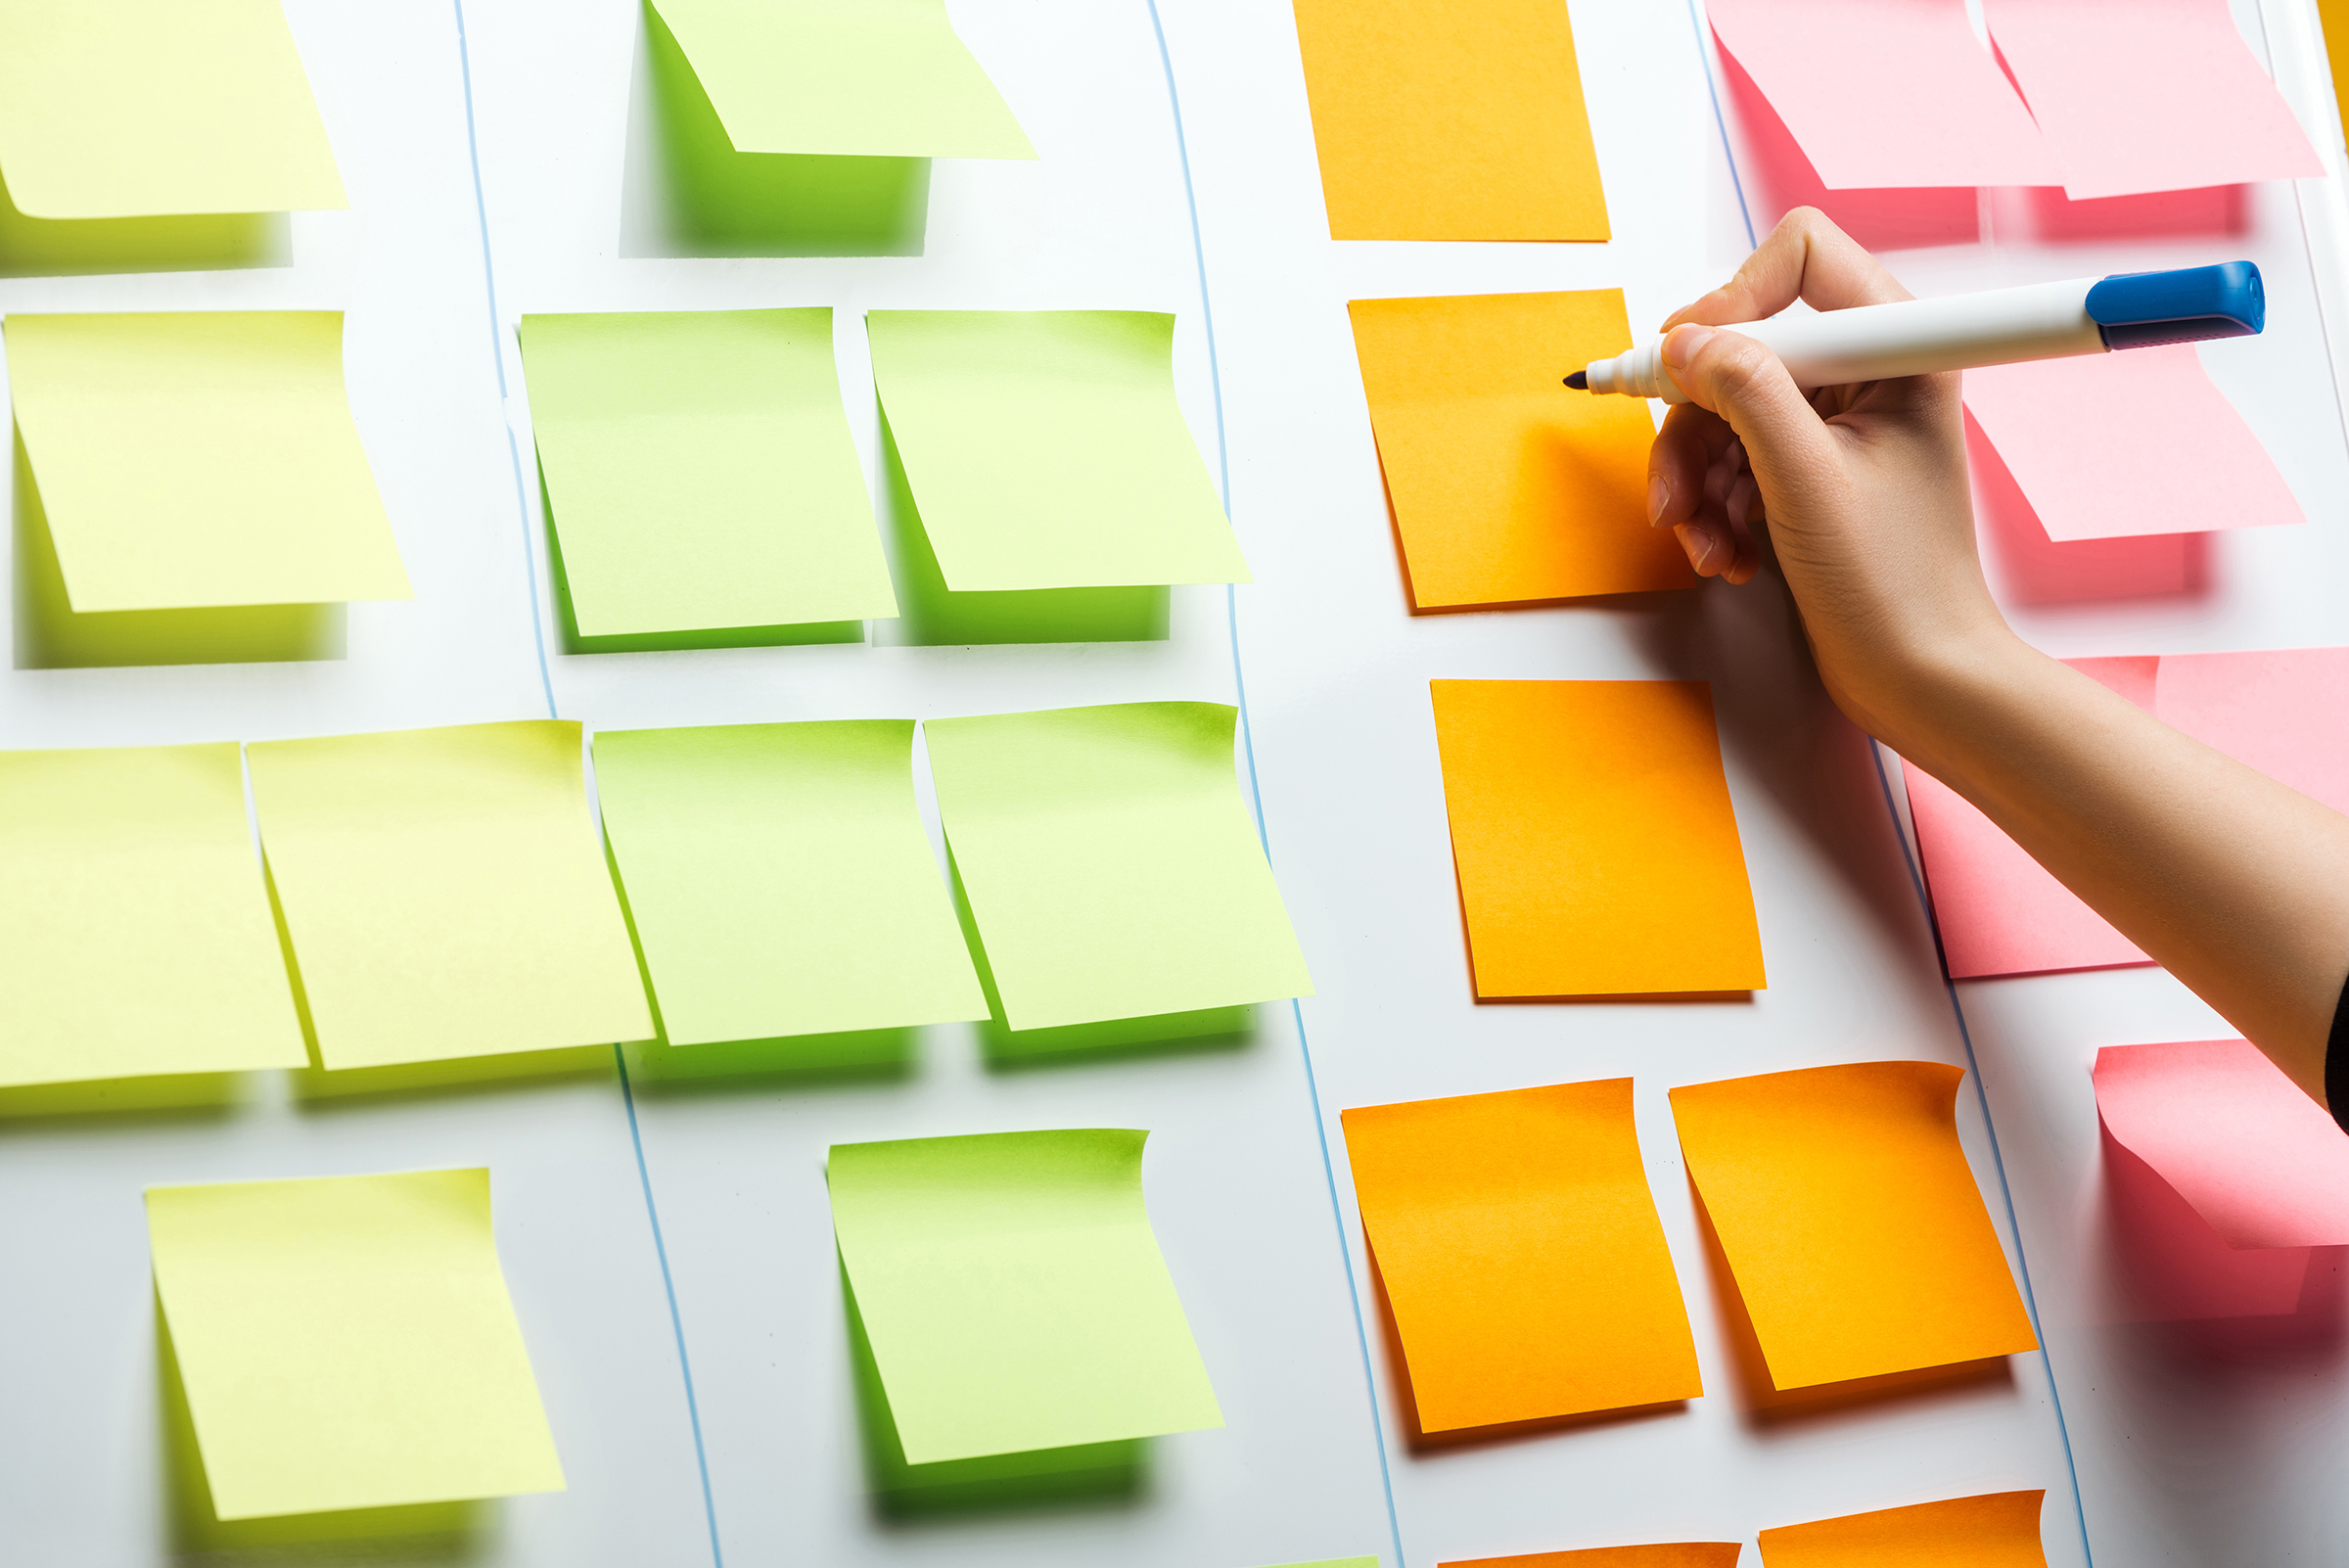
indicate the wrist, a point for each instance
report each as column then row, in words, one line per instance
column 1926, row 690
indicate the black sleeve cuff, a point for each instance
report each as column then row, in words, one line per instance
column 2337, row 1061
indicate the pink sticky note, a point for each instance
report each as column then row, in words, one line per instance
column 2131, row 442
column 2279, row 711
column 2165, row 1264
column 1886, row 93
column 1999, row 911
column 2156, row 95
column 2258, row 1160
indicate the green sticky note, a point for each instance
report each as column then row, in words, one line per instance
column 205, row 459
column 348, row 1343
column 444, row 893
column 135, row 939
column 780, row 880
column 700, row 472
column 127, row 108
column 1110, row 864
column 1013, row 1294
column 1045, row 450
column 854, row 77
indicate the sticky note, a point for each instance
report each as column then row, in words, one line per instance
column 200, row 459
column 780, row 880
column 1521, row 1255
column 701, row 472
column 348, row 1343
column 2132, row 443
column 1013, row 1292
column 1045, row 448
column 1111, row 866
column 2271, row 709
column 1506, row 487
column 2002, row 913
column 1676, row 1555
column 444, row 892
column 1594, row 839
column 1886, row 95
column 1441, row 120
column 2258, row 1159
column 146, row 108
column 873, row 78
column 2105, row 97
column 1850, row 1220
column 135, row 939
column 1998, row 1531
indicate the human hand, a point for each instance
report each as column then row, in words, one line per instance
column 1863, row 489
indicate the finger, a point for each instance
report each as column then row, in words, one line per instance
column 1678, row 461
column 1741, row 381
column 1806, row 258
column 1717, row 550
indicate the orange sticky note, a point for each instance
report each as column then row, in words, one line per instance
column 1450, row 119
column 1678, row 1554
column 1850, row 1220
column 1508, row 487
column 1521, row 1254
column 1998, row 1530
column 1593, row 838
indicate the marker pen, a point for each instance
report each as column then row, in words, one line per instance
column 1998, row 327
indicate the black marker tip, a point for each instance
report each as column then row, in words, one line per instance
column 1580, row 381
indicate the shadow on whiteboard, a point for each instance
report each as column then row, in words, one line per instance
column 451, row 1532
column 200, row 242
column 2162, row 1262
column 1406, row 1399
column 686, row 192
column 1780, row 729
column 1089, row 1475
column 1778, row 178
column 1763, row 1405
column 2026, row 567
column 2042, row 215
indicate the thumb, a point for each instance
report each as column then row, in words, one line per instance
column 1736, row 378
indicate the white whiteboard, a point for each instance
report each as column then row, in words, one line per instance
column 435, row 269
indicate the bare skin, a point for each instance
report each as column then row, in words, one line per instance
column 2236, row 884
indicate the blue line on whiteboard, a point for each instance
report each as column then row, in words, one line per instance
column 1239, row 684
column 1998, row 1159
column 529, row 573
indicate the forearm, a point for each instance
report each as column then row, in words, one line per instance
column 2236, row 884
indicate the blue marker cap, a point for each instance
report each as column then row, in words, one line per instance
column 2141, row 310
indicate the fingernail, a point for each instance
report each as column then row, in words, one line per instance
column 1699, row 542
column 1681, row 343
column 1659, row 495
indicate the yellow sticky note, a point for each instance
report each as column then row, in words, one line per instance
column 1507, row 488
column 446, row 894
column 1593, row 837
column 1850, row 1220
column 348, row 1343
column 205, row 459
column 135, row 937
column 1998, row 1530
column 1450, row 119
column 1521, row 1255
column 147, row 107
